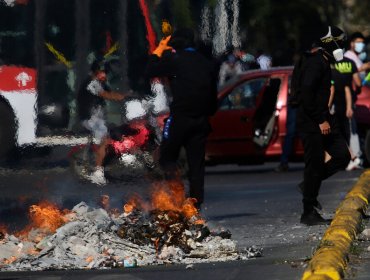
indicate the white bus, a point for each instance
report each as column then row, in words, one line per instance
column 18, row 107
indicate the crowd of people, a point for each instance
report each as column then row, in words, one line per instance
column 327, row 82
column 347, row 79
column 237, row 61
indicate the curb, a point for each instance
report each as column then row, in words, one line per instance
column 330, row 259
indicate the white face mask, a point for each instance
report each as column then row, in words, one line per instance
column 362, row 56
column 338, row 54
column 359, row 47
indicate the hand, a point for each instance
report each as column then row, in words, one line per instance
column 367, row 65
column 162, row 46
column 325, row 128
column 349, row 113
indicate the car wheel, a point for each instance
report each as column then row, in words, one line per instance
column 367, row 146
column 7, row 129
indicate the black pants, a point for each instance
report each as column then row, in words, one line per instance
column 316, row 170
column 190, row 133
column 344, row 126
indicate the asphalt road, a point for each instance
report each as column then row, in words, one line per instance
column 259, row 206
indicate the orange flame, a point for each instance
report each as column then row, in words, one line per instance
column 128, row 208
column 166, row 197
column 46, row 217
column 135, row 202
column 172, row 197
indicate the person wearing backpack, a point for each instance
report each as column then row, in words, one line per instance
column 318, row 129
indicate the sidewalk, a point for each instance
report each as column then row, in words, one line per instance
column 331, row 258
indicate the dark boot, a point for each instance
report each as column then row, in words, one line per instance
column 313, row 218
column 316, row 203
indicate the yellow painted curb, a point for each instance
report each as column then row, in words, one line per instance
column 330, row 259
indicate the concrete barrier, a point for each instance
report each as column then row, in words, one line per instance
column 331, row 258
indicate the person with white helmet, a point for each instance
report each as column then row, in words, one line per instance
column 318, row 129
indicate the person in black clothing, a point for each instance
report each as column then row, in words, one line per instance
column 193, row 84
column 318, row 129
column 347, row 85
column 91, row 111
column 342, row 76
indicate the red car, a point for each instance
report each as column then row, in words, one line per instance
column 250, row 124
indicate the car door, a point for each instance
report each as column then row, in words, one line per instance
column 233, row 124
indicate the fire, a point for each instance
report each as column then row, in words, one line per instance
column 172, row 197
column 45, row 217
column 167, row 197
column 135, row 202
column 89, row 259
column 128, row 208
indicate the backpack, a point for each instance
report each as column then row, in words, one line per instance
column 295, row 84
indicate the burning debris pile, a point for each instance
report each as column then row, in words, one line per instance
column 163, row 231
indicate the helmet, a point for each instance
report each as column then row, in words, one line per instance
column 332, row 41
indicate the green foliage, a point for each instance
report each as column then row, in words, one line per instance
column 181, row 12
column 212, row 3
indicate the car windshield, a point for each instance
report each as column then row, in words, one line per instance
column 244, row 95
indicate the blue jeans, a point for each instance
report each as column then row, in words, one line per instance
column 290, row 134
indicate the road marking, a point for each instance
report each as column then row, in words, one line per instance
column 60, row 141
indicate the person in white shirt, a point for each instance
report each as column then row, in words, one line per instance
column 230, row 68
column 356, row 50
column 264, row 61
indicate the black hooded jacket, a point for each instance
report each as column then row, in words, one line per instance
column 315, row 92
column 193, row 81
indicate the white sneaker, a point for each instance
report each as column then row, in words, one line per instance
column 97, row 177
column 354, row 164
